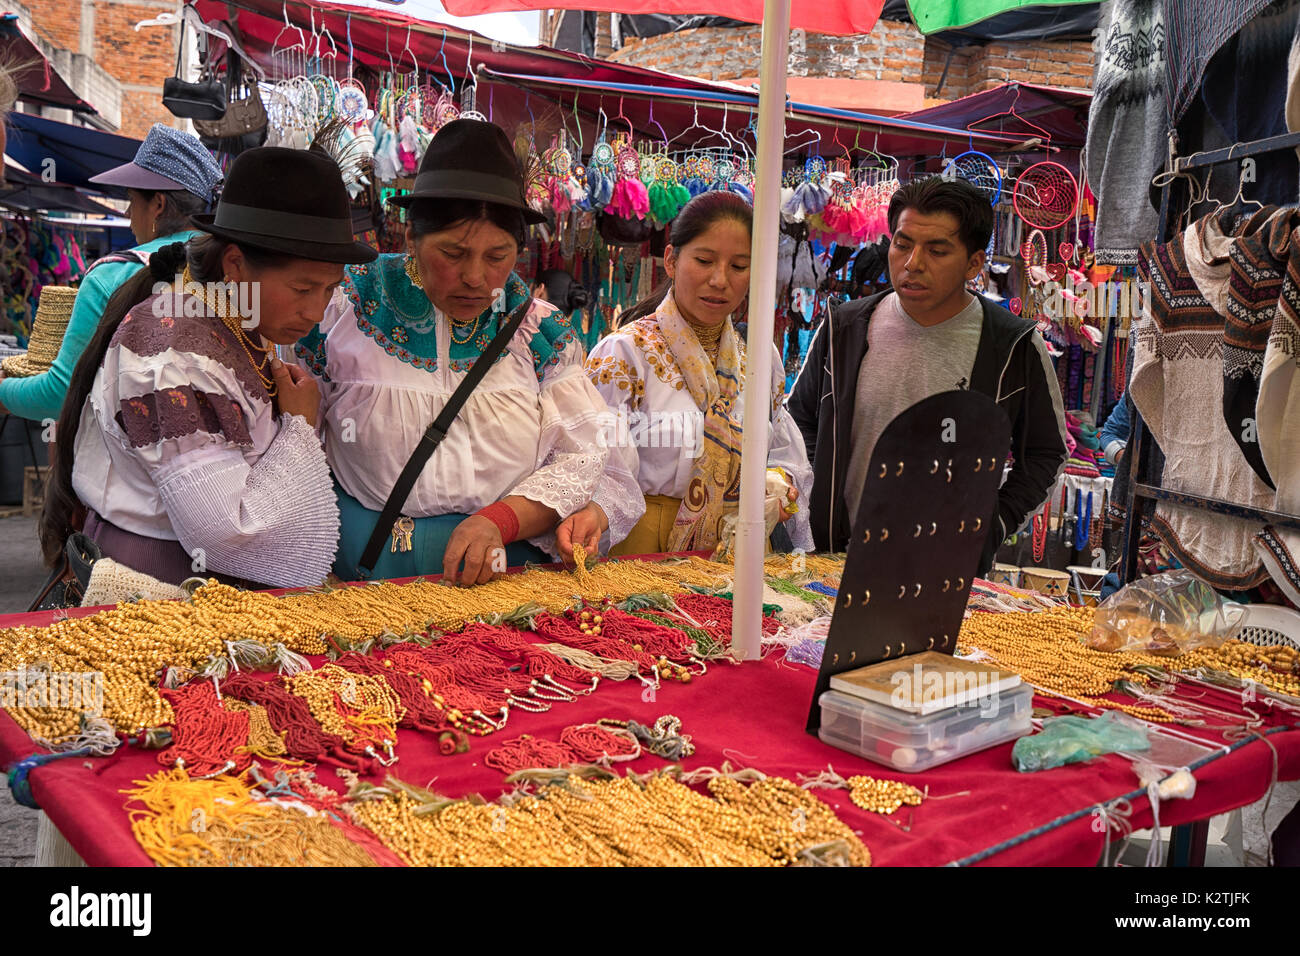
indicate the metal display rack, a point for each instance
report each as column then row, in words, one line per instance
column 1187, row 842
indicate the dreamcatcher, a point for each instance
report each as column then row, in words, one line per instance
column 441, row 111
column 630, row 199
column 696, row 172
column 1034, row 252
column 563, row 188
column 978, row 169
column 352, row 102
column 326, row 90
column 1045, row 195
column 291, row 113
column 809, row 196
column 600, row 174
column 667, row 194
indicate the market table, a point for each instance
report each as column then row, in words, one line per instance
column 979, row 809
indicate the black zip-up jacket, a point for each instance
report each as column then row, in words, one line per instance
column 1009, row 368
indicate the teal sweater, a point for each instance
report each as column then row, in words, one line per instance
column 39, row 397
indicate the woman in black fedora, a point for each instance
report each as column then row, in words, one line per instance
column 186, row 446
column 515, row 476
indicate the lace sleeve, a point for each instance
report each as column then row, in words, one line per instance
column 619, row 496
column 275, row 522
column 572, row 455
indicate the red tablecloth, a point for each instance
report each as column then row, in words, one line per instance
column 752, row 714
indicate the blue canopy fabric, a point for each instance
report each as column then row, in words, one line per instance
column 29, row 193
column 77, row 151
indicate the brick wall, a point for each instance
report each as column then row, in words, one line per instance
column 603, row 47
column 892, row 52
column 1065, row 63
column 57, row 21
column 138, row 61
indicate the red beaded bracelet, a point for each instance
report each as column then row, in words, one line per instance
column 504, row 517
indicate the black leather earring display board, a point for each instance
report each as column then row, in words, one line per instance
column 927, row 505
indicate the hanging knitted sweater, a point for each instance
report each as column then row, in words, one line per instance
column 1259, row 263
column 1177, row 385
column 1126, row 128
column 1277, row 410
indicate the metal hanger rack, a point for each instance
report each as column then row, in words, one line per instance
column 1143, row 492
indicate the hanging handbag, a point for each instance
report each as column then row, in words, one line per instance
column 66, row 584
column 204, row 99
column 433, row 437
column 244, row 124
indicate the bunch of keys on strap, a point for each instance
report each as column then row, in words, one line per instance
column 403, row 528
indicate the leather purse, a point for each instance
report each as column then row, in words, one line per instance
column 244, row 123
column 66, row 584
column 203, row 99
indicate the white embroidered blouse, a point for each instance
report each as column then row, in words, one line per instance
column 387, row 364
column 658, row 426
column 179, row 440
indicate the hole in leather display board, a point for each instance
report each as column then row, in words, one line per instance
column 928, row 503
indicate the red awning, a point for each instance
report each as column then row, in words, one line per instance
column 841, row 17
column 1022, row 110
column 518, row 82
column 39, row 82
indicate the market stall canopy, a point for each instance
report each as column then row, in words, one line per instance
column 394, row 40
column 1022, row 110
column 522, row 83
column 820, row 129
column 841, row 17
column 577, row 29
column 39, row 82
column 996, row 20
column 29, row 193
column 77, row 152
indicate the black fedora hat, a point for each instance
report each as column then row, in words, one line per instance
column 290, row 201
column 471, row 159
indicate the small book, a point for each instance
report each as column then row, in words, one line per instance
column 925, row 683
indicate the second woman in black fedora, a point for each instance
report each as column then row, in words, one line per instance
column 186, row 447
column 523, row 460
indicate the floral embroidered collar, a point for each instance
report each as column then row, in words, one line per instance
column 400, row 318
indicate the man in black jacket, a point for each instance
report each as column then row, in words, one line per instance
column 873, row 358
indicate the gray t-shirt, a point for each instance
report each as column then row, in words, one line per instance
column 905, row 363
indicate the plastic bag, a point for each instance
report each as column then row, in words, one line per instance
column 778, row 485
column 1065, row 740
column 1166, row 614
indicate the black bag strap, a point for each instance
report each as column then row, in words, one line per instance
column 433, row 437
column 180, row 49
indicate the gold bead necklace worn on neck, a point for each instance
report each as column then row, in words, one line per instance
column 413, row 273
column 232, row 322
column 710, row 337
column 412, row 269
column 469, row 336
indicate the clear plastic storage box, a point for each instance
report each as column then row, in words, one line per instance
column 912, row 742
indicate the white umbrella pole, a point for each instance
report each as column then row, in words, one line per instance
column 751, row 537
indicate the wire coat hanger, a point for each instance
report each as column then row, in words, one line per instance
column 631, row 131
column 414, row 62
column 695, row 124
column 662, row 132
column 442, row 52
column 797, row 146
column 1011, row 111
column 302, row 37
